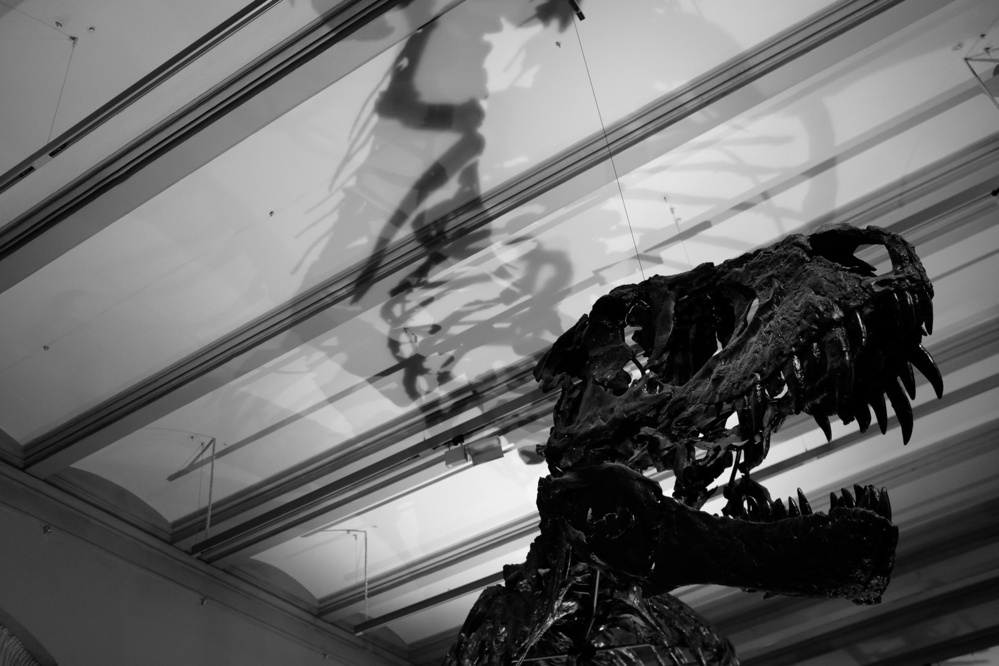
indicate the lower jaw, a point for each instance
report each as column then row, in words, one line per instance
column 848, row 554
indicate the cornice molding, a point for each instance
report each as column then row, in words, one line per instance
column 26, row 495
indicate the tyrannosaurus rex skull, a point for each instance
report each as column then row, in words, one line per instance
column 802, row 325
column 650, row 379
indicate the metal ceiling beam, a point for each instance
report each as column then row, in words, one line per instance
column 497, row 388
column 317, row 311
column 133, row 175
column 312, row 509
column 956, row 646
column 197, row 49
column 436, row 600
column 460, row 555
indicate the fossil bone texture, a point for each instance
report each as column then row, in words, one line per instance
column 649, row 380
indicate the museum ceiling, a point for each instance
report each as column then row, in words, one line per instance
column 275, row 277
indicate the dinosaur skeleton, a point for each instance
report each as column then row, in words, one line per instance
column 800, row 326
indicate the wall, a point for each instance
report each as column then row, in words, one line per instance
column 95, row 591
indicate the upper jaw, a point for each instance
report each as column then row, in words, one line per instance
column 838, row 345
column 803, row 326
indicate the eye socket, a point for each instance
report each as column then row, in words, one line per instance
column 841, row 249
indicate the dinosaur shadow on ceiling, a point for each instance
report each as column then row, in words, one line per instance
column 425, row 348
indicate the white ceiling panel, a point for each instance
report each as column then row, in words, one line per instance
column 84, row 55
column 411, row 527
column 638, row 52
column 275, row 347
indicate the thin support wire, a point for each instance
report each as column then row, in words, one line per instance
column 65, row 77
column 985, row 88
column 354, row 533
column 610, row 153
column 211, row 486
column 676, row 223
column 366, row 616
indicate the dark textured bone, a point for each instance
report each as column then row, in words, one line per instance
column 802, row 325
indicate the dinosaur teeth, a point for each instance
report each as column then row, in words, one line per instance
column 862, row 496
column 912, row 309
column 752, row 508
column 926, row 365
column 806, row 508
column 779, row 512
column 880, row 410
column 848, row 501
column 884, row 504
column 903, row 410
column 861, row 411
column 873, row 498
column 759, row 510
column 833, row 501
column 792, row 508
column 908, row 380
column 823, row 422
column 840, row 365
column 855, row 324
column 903, row 309
column 766, row 512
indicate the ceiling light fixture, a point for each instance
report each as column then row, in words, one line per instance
column 477, row 452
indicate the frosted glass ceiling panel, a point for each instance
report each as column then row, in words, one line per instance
column 113, row 45
column 438, row 516
column 281, row 22
column 638, row 51
column 875, row 118
column 507, row 291
column 438, row 583
column 734, row 215
column 325, row 186
column 428, row 623
column 506, row 301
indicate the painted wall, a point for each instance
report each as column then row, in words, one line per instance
column 92, row 591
